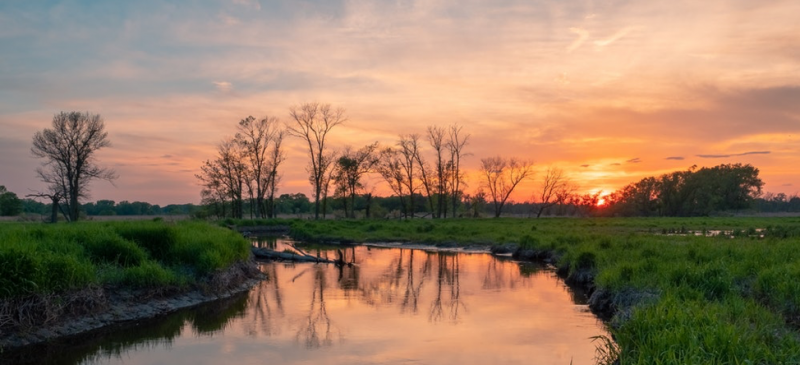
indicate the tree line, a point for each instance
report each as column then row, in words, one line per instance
column 426, row 167
column 693, row 192
column 423, row 171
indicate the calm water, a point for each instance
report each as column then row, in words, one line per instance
column 394, row 306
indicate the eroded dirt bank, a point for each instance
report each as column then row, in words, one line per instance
column 37, row 319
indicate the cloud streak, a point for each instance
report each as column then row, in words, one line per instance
column 735, row 154
column 582, row 36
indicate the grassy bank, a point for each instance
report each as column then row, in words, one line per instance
column 37, row 259
column 679, row 298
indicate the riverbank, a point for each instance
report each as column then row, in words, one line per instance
column 113, row 307
column 678, row 290
column 61, row 280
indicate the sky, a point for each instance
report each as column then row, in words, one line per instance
column 609, row 91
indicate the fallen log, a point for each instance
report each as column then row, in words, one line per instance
column 263, row 253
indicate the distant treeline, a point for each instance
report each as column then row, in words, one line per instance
column 110, row 207
column 694, row 192
column 728, row 187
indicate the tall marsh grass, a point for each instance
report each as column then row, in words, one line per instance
column 36, row 258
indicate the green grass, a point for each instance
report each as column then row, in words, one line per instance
column 680, row 298
column 37, row 258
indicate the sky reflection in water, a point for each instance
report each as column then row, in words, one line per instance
column 394, row 306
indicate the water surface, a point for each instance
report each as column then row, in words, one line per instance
column 393, row 306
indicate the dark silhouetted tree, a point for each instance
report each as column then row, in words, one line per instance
column 350, row 168
column 501, row 177
column 313, row 122
column 69, row 149
column 10, row 203
column 554, row 189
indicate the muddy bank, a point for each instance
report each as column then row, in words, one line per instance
column 33, row 320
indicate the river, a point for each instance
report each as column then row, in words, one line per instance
column 391, row 306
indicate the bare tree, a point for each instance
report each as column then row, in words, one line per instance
column 69, row 152
column 409, row 150
column 276, row 157
column 555, row 188
column 436, row 139
column 391, row 170
column 254, row 137
column 328, row 163
column 456, row 144
column 55, row 198
column 313, row 122
column 351, row 166
column 502, row 176
column 428, row 182
column 227, row 175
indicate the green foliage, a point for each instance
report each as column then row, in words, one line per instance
column 59, row 273
column 158, row 239
column 107, row 247
column 38, row 258
column 688, row 193
column 10, row 204
column 147, row 275
column 684, row 297
column 18, row 271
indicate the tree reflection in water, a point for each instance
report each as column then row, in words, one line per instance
column 264, row 315
column 448, row 276
column 317, row 330
column 402, row 288
column 411, row 295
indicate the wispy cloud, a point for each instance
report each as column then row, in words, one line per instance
column 223, row 86
column 634, row 160
column 677, row 158
column 583, row 34
column 584, row 165
column 615, row 37
column 735, row 154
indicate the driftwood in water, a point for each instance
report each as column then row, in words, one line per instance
column 263, row 253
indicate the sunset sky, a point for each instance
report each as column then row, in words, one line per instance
column 610, row 91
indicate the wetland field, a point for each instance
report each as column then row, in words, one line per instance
column 668, row 290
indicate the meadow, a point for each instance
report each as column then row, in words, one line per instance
column 681, row 290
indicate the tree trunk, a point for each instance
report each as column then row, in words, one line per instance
column 54, row 212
